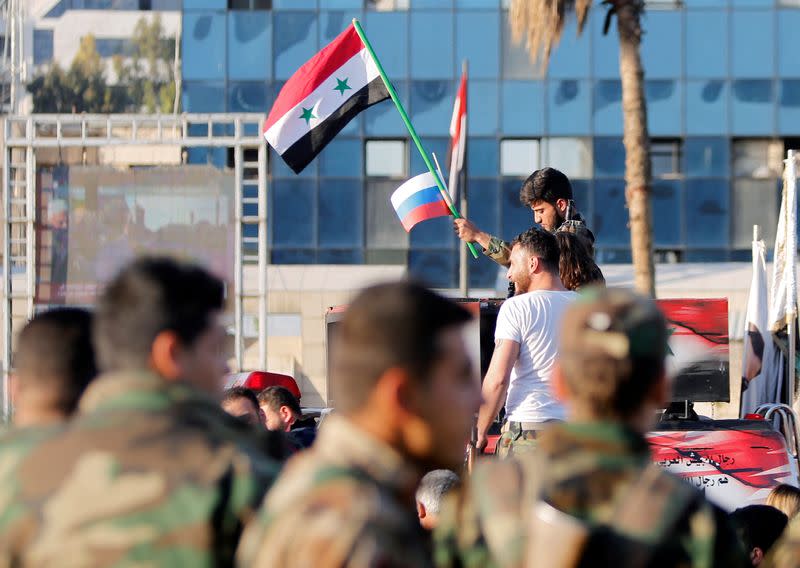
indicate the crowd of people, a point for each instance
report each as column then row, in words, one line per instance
column 127, row 450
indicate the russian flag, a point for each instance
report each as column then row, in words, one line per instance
column 419, row 199
column 326, row 93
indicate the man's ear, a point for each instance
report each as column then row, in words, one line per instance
column 756, row 556
column 165, row 355
column 534, row 263
column 561, row 205
column 421, row 512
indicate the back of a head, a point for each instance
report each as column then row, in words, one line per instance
column 613, row 346
column 149, row 296
column 434, row 486
column 548, row 185
column 236, row 393
column 394, row 325
column 55, row 357
column 275, row 397
column 541, row 244
column 758, row 526
column 785, row 498
column 576, row 267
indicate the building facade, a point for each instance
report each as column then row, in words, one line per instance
column 723, row 90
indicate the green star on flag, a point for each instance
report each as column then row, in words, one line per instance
column 308, row 114
column 342, row 86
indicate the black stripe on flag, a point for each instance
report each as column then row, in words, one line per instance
column 302, row 152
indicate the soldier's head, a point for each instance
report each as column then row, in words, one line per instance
column 431, row 493
column 613, row 344
column 534, row 260
column 401, row 371
column 54, row 362
column 758, row 527
column 547, row 192
column 280, row 408
column 164, row 316
column 241, row 403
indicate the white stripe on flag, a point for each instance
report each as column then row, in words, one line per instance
column 359, row 71
column 412, row 186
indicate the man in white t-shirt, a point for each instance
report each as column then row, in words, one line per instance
column 526, row 346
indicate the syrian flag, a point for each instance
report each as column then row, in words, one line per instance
column 458, row 138
column 328, row 91
column 419, row 199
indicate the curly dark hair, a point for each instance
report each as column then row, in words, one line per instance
column 548, row 185
column 540, row 243
column 575, row 264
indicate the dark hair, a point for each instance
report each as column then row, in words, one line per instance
column 546, row 184
column 386, row 326
column 540, row 243
column 55, row 353
column 575, row 265
column 758, row 526
column 149, row 296
column 275, row 397
column 235, row 393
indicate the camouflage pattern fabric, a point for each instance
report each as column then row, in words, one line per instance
column 515, row 441
column 500, row 250
column 584, row 471
column 148, row 473
column 347, row 501
column 785, row 553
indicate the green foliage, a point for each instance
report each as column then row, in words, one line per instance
column 145, row 77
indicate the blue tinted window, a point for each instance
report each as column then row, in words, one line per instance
column 432, row 41
column 708, row 256
column 388, row 34
column 249, row 45
column 664, row 116
column 293, row 256
column 472, row 4
column 754, row 3
column 613, row 256
column 482, row 118
column 754, row 57
column 581, row 193
column 293, row 213
column 707, row 107
column 515, row 59
column 667, row 223
column 568, row 107
column 295, row 41
column 523, row 108
column 706, row 34
column 789, row 109
column 438, row 4
column 706, row 157
column 437, row 269
column 434, row 233
column 478, row 41
column 431, row 106
column 703, row 4
column 515, row 217
column 707, row 212
column 662, row 48
column 436, row 146
column 217, row 157
column 340, row 256
column 483, row 200
column 609, row 157
column 341, row 213
column 42, row 46
column 248, row 97
column 334, row 23
column 610, row 216
column 340, row 4
column 203, row 97
column 753, row 107
column 203, row 39
column 294, row 4
column 189, row 5
column 605, row 48
column 571, row 57
column 383, row 119
column 607, row 107
column 788, row 24
column 483, row 272
column 342, row 157
column 483, row 157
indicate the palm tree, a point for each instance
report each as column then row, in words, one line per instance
column 542, row 22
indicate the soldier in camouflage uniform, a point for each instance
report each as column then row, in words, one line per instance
column 548, row 193
column 150, row 471
column 404, row 394
column 590, row 495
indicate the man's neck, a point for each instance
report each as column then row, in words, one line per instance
column 37, row 416
column 546, row 281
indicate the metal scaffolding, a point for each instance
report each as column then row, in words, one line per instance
column 24, row 135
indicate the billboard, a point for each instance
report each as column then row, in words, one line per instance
column 92, row 220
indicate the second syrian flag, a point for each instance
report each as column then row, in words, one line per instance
column 326, row 93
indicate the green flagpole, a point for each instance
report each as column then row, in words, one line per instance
column 410, row 127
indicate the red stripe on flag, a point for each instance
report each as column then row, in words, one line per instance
column 314, row 72
column 425, row 212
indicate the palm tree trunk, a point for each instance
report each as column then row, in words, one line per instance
column 637, row 144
